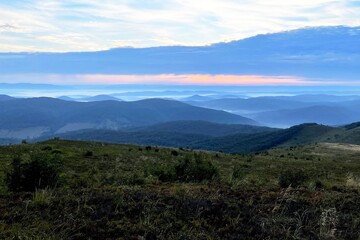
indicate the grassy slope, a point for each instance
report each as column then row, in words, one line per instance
column 204, row 128
column 251, row 139
column 294, row 136
column 109, row 195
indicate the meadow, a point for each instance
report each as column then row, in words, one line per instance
column 92, row 190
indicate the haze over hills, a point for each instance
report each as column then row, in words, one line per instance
column 286, row 111
column 317, row 52
column 250, row 104
column 97, row 98
column 72, row 114
column 324, row 114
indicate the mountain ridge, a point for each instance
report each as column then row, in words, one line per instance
column 55, row 115
column 261, row 140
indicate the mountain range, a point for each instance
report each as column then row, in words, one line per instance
column 177, row 124
column 285, row 111
column 33, row 117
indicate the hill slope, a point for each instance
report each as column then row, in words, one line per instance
column 328, row 115
column 107, row 191
column 5, row 97
column 204, row 128
column 247, row 140
column 297, row 135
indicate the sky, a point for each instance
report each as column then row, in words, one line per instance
column 92, row 25
column 89, row 25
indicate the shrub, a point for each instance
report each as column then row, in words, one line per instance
column 292, row 177
column 164, row 172
column 181, row 192
column 238, row 171
column 195, row 169
column 174, row 153
column 56, row 151
column 134, row 178
column 47, row 148
column 316, row 185
column 15, row 178
column 40, row 172
column 189, row 169
column 88, row 154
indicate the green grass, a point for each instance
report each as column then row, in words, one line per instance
column 110, row 191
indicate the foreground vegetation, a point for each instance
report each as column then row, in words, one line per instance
column 83, row 190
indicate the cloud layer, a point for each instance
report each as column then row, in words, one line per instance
column 86, row 25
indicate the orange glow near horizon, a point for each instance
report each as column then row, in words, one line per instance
column 173, row 79
column 192, row 79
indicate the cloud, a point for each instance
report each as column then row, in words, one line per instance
column 7, row 27
column 80, row 25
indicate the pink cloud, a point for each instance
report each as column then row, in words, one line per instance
column 197, row 79
column 169, row 79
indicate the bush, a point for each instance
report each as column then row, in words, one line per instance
column 134, row 178
column 56, row 151
column 292, row 177
column 47, row 148
column 189, row 169
column 195, row 169
column 40, row 172
column 239, row 171
column 175, row 153
column 164, row 172
column 316, row 185
column 88, row 154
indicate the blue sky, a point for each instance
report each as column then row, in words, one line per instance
column 88, row 25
